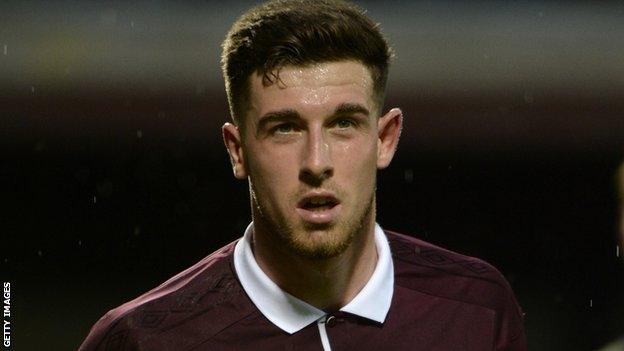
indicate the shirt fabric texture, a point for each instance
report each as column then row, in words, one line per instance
column 420, row 297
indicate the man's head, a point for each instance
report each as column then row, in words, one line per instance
column 299, row 33
column 309, row 135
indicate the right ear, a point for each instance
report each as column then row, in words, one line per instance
column 233, row 144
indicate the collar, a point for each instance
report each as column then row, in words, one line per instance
column 292, row 314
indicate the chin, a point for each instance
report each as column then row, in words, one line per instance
column 320, row 241
column 319, row 251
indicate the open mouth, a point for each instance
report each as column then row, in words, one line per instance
column 319, row 208
column 318, row 203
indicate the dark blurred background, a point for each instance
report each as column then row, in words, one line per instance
column 114, row 177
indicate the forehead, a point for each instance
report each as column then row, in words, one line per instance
column 313, row 88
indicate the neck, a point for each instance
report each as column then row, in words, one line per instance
column 327, row 284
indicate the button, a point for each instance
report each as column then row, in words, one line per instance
column 331, row 321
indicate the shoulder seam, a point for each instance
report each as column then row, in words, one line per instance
column 493, row 281
column 397, row 237
column 448, row 298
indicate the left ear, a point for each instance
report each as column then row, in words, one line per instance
column 389, row 129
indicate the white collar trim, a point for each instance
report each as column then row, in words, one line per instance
column 292, row 314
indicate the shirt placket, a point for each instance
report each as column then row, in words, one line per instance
column 328, row 321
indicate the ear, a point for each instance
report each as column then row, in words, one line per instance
column 622, row 226
column 233, row 144
column 389, row 129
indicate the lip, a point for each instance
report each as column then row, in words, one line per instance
column 319, row 216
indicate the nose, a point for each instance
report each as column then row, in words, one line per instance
column 317, row 163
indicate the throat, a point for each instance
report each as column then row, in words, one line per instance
column 327, row 284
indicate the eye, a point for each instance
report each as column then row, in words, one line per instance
column 284, row 128
column 344, row 123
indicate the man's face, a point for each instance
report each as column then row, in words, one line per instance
column 310, row 149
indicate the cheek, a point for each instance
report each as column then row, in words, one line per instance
column 278, row 163
column 271, row 173
column 359, row 153
column 359, row 162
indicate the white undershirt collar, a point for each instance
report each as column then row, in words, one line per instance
column 292, row 314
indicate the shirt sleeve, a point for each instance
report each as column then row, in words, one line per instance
column 98, row 337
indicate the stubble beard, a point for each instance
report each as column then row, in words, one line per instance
column 307, row 242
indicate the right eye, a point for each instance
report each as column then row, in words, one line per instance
column 284, row 128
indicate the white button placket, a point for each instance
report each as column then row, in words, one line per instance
column 323, row 333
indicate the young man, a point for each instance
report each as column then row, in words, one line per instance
column 314, row 271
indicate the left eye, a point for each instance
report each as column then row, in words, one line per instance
column 284, row 128
column 344, row 123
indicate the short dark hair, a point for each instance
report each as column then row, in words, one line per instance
column 299, row 32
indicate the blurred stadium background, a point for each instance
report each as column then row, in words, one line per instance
column 114, row 176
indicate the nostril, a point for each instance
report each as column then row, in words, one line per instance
column 329, row 173
column 313, row 178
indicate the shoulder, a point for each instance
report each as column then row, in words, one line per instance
column 197, row 290
column 414, row 257
column 429, row 269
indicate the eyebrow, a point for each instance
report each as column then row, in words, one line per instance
column 349, row 108
column 276, row 116
column 346, row 108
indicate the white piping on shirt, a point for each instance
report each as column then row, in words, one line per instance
column 323, row 333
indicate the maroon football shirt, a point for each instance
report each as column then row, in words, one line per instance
column 441, row 301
